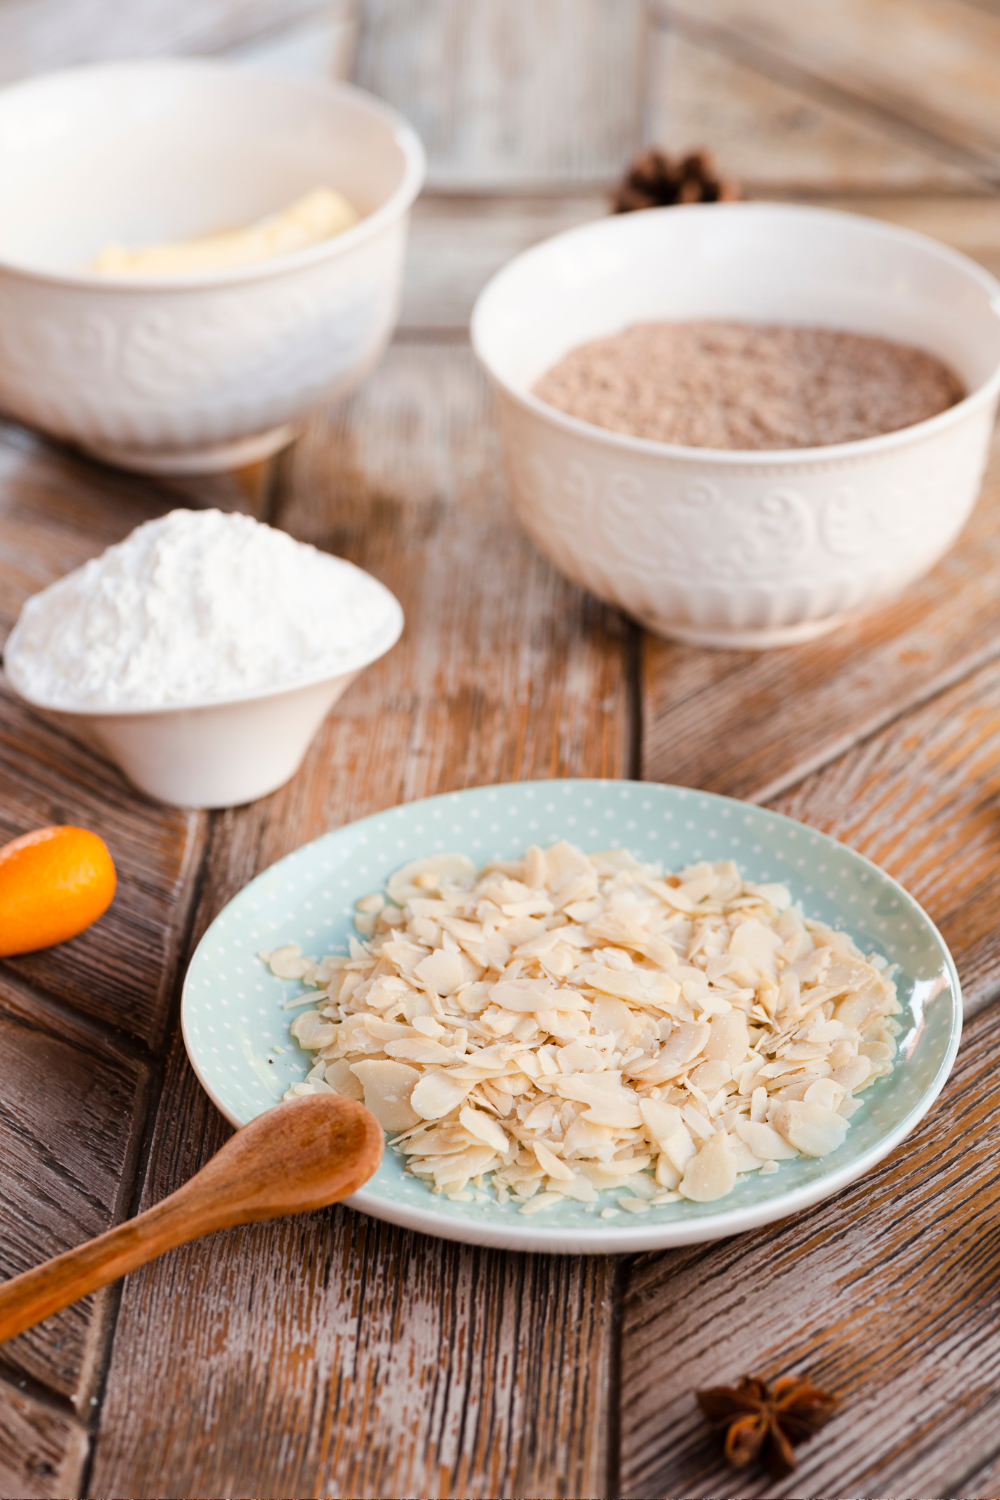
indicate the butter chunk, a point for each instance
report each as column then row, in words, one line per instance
column 318, row 216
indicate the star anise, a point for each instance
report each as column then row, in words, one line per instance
column 766, row 1421
column 658, row 180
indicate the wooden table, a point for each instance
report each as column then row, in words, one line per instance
column 335, row 1356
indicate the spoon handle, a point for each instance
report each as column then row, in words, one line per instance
column 299, row 1155
column 35, row 1294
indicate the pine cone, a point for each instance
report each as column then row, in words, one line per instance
column 657, row 180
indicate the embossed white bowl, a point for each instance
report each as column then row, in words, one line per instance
column 201, row 372
column 726, row 548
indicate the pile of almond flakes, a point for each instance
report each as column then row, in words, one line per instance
column 572, row 1024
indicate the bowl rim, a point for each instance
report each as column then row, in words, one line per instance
column 381, row 644
column 783, row 458
column 399, row 201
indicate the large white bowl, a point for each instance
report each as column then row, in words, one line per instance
column 725, row 548
column 201, row 372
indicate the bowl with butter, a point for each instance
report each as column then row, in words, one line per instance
column 192, row 255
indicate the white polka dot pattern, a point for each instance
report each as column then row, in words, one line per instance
column 236, row 1028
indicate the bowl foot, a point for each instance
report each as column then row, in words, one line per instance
column 211, row 460
column 751, row 640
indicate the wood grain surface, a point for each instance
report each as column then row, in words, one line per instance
column 330, row 1355
column 333, row 1355
column 43, row 1450
column 928, row 69
column 984, row 1484
column 303, row 1154
column 425, row 1368
column 317, row 43
column 920, row 799
column 36, row 35
column 885, row 1295
column 510, row 93
column 774, row 136
column 67, row 1152
column 459, row 240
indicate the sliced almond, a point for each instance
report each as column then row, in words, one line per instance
column 711, row 1174
column 437, row 1094
column 571, row 1024
column 388, row 1089
column 485, row 1128
column 810, row 1128
column 765, row 1143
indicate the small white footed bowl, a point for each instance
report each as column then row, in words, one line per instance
column 201, row 372
column 733, row 548
column 215, row 754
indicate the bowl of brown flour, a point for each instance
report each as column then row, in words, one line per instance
column 742, row 423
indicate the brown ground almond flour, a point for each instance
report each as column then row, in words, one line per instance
column 748, row 385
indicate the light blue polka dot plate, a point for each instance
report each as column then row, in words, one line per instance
column 237, row 1035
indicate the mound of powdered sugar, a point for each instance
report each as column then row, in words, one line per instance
column 196, row 606
column 749, row 385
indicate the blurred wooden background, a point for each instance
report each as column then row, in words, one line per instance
column 331, row 1355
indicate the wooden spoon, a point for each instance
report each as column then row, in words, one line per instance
column 299, row 1155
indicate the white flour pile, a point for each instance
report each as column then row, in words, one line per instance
column 199, row 605
column 570, row 1024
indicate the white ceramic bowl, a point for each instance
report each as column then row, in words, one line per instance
column 201, row 372
column 218, row 753
column 725, row 548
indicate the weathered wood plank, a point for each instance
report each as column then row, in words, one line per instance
column 919, row 798
column 319, row 45
column 388, row 1364
column 36, row 35
column 983, row 1484
column 71, row 1108
column 420, row 1367
column 884, row 1295
column 42, row 1450
column 330, row 1354
column 932, row 67
column 774, row 136
column 457, row 242
column 507, row 93
column 750, row 724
